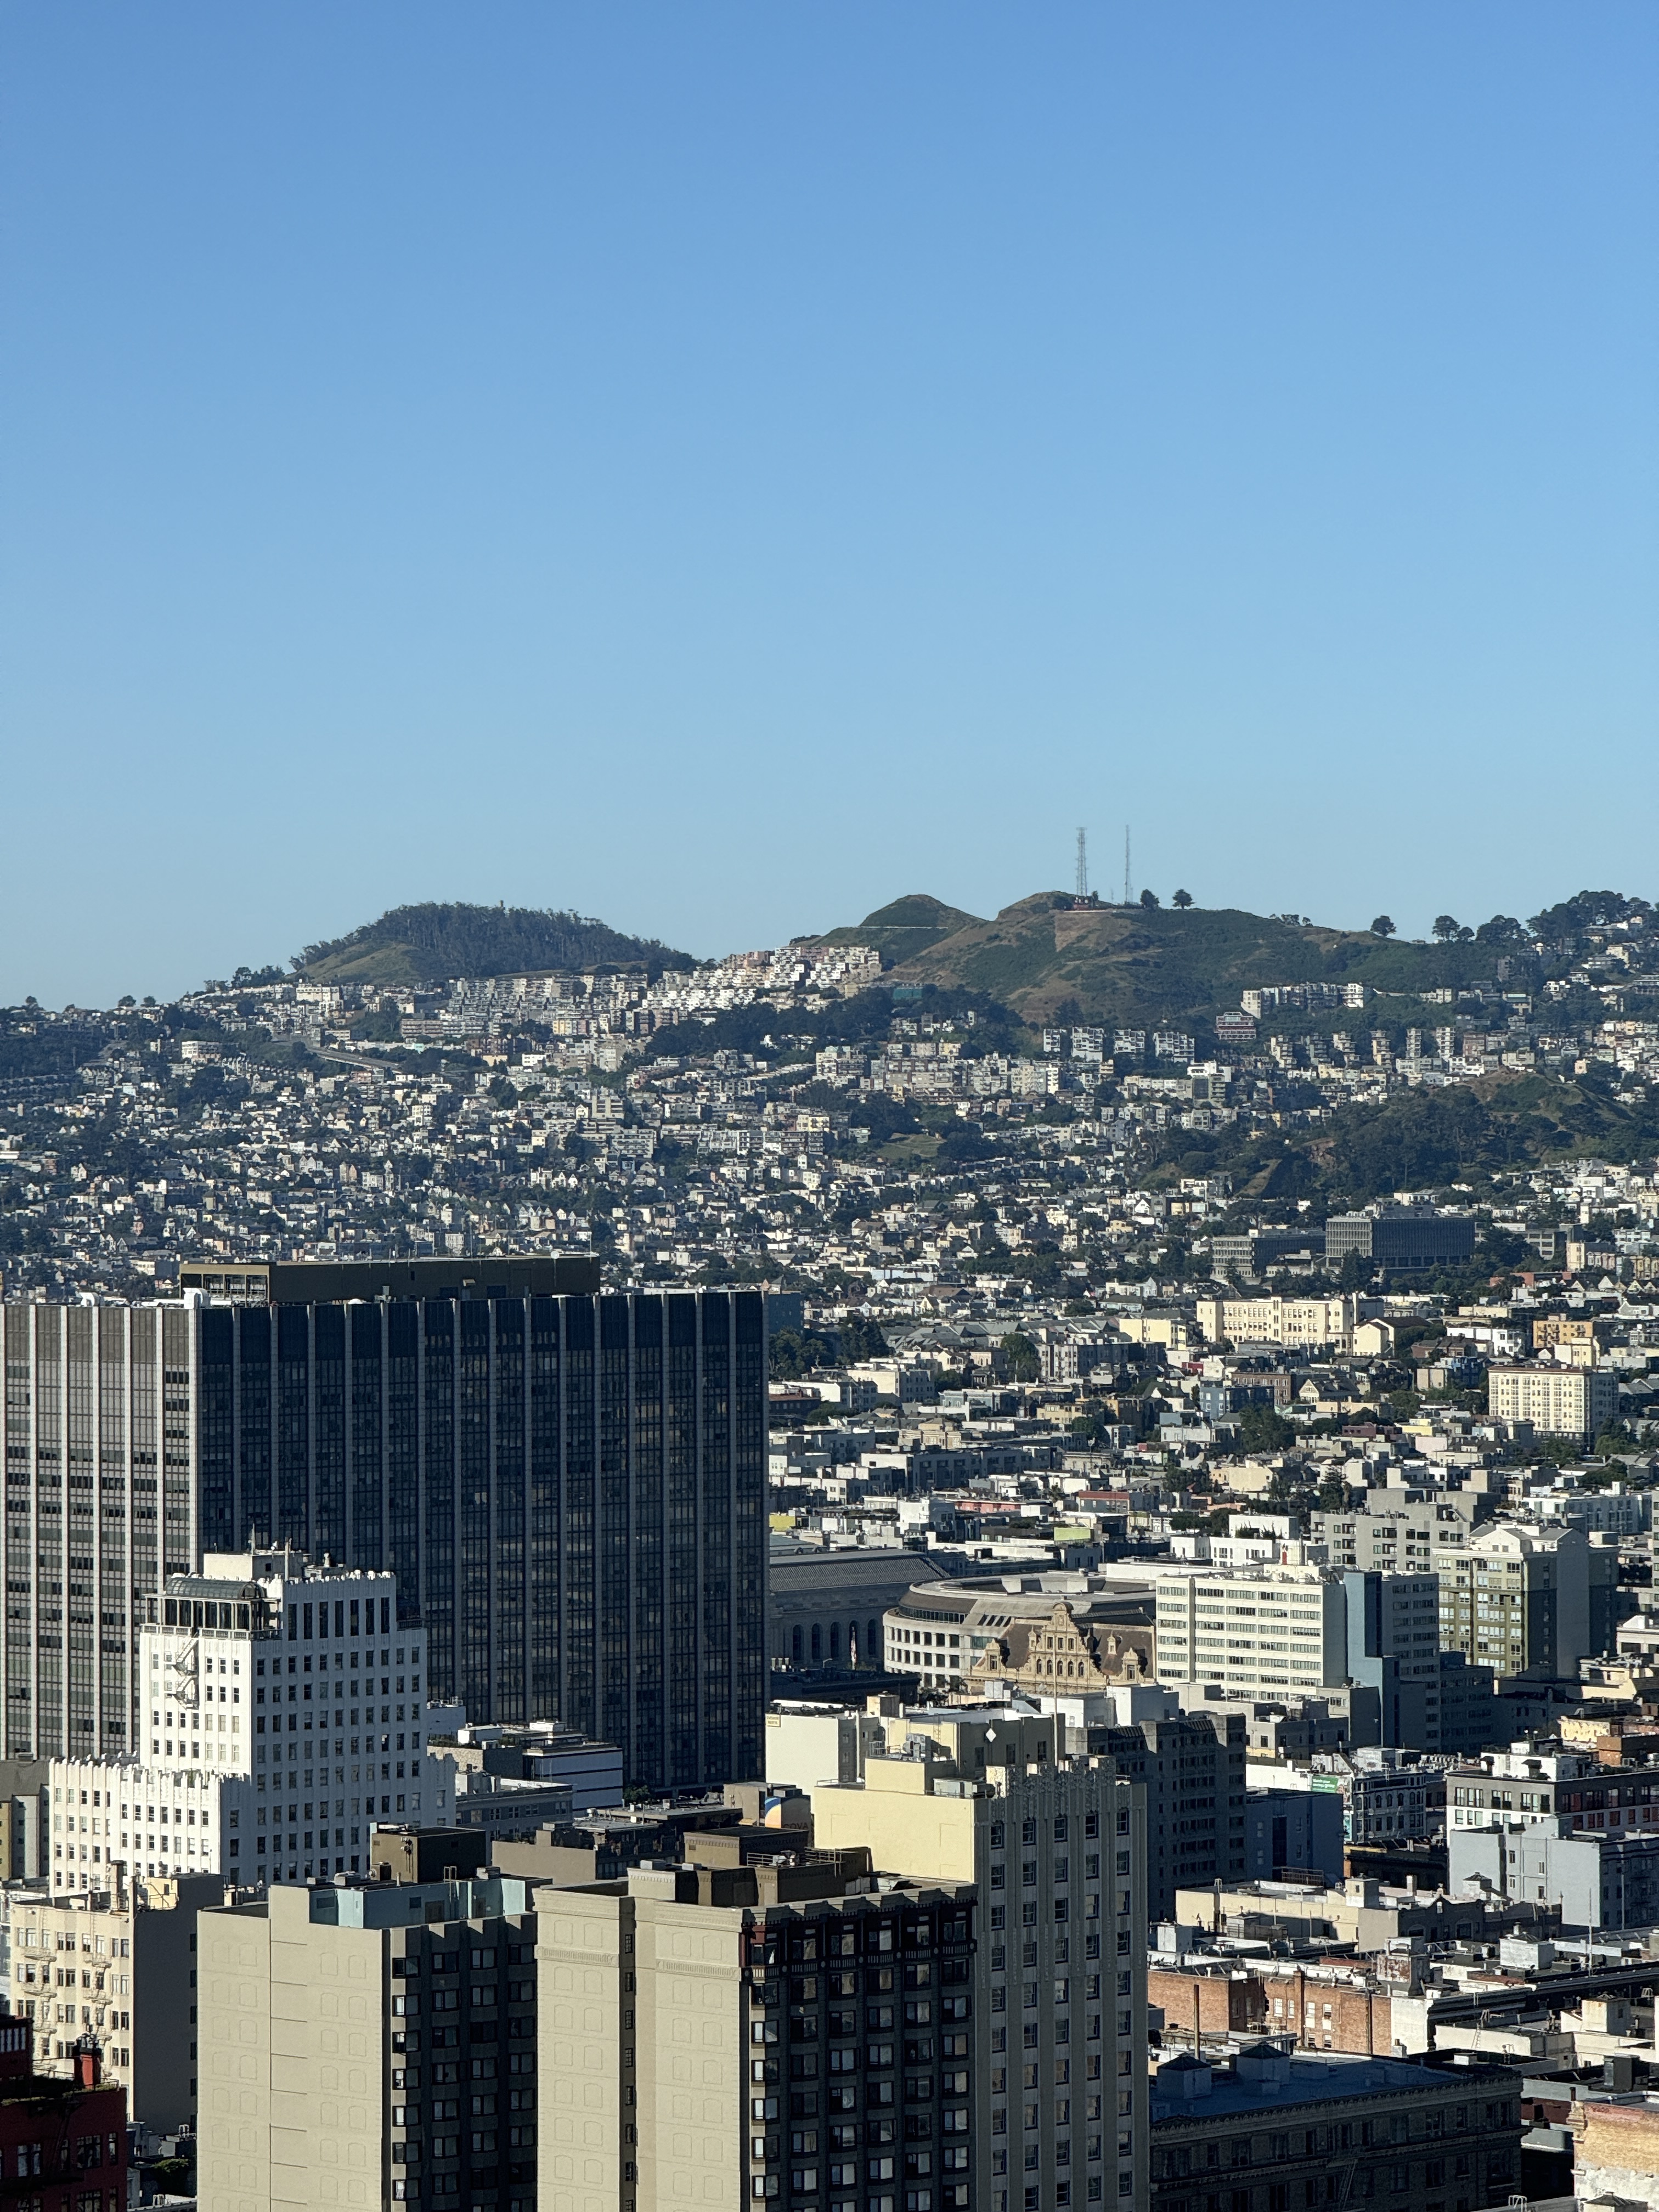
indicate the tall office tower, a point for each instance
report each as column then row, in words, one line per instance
column 100, row 1510
column 570, row 1489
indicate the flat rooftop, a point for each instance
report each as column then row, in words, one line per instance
column 308, row 1282
column 1311, row 2077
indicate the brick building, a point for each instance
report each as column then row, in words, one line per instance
column 1616, row 2151
column 62, row 2143
column 1321, row 2007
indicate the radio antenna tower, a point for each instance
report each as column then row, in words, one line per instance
column 1082, row 865
column 1126, row 864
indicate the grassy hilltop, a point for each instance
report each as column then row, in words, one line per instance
column 1138, row 966
column 904, row 930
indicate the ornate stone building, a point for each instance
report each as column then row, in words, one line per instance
column 1058, row 1654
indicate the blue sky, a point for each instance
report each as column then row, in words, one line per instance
column 720, row 467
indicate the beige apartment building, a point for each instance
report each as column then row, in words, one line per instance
column 369, row 2043
column 1311, row 1323
column 797, row 2036
column 1055, row 1849
column 1558, row 1402
column 116, row 1970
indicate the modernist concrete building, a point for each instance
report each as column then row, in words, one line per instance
column 1259, row 1631
column 1398, row 1532
column 1400, row 1239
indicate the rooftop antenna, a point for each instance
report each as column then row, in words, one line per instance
column 1126, row 864
column 1082, row 865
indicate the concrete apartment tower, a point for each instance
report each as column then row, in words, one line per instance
column 371, row 2043
column 1518, row 1600
column 796, row 2036
column 1055, row 1848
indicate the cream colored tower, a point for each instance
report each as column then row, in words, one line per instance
column 365, row 2044
column 1055, row 1850
column 715, row 2037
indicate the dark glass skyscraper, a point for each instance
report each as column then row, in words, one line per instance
column 571, row 1490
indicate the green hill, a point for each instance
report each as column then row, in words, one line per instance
column 1420, row 1139
column 909, row 926
column 430, row 943
column 1138, row 966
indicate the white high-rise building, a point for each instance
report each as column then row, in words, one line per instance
column 282, row 1717
column 1259, row 1631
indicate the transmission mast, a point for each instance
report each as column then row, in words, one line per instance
column 1082, row 865
column 1126, row 864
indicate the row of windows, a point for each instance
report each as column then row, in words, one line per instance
column 1366, row 2182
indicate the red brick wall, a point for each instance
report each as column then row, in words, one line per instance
column 1221, row 2004
column 1359, row 2021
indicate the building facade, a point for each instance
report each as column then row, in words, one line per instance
column 284, row 1719
column 978, row 1631
column 1404, row 1240
column 1278, row 2131
column 733, row 2034
column 1193, row 1771
column 61, row 2142
column 1559, row 1827
column 100, row 1509
column 1518, row 1600
column 1394, row 1648
column 1595, row 1879
column 1293, row 1831
column 366, row 2044
column 112, row 1972
column 1397, row 1533
column 571, row 1490
column 1266, row 1631
column 1055, row 1851
column 1558, row 1402
column 1311, row 1323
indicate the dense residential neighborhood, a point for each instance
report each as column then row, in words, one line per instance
column 1229, row 1433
